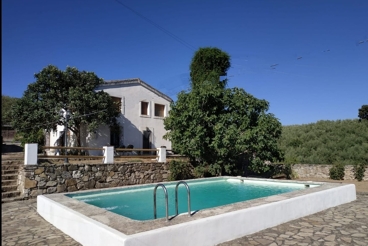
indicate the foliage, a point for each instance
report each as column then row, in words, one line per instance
column 359, row 170
column 40, row 106
column 220, row 129
column 6, row 105
column 32, row 136
column 337, row 172
column 363, row 112
column 180, row 170
column 326, row 142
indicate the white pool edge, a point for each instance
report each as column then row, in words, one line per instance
column 206, row 231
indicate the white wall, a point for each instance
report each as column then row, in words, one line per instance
column 133, row 123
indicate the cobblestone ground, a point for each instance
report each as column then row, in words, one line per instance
column 343, row 225
column 21, row 225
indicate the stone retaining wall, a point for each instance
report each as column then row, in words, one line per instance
column 57, row 178
column 323, row 171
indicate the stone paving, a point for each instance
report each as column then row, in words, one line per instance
column 343, row 225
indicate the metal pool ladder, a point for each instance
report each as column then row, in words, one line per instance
column 176, row 197
column 167, row 199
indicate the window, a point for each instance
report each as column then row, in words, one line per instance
column 144, row 108
column 159, row 110
column 117, row 103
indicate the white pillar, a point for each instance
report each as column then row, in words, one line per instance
column 108, row 155
column 161, row 154
column 30, row 154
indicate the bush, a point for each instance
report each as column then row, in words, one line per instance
column 359, row 170
column 180, row 170
column 337, row 172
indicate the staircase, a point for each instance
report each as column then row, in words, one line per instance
column 9, row 181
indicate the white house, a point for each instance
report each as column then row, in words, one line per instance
column 142, row 108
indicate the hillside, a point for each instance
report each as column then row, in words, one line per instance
column 326, row 142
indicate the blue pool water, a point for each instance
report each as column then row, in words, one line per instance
column 137, row 202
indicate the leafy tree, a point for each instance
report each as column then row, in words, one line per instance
column 218, row 128
column 363, row 112
column 54, row 90
column 6, row 105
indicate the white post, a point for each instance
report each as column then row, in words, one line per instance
column 161, row 154
column 108, row 155
column 30, row 154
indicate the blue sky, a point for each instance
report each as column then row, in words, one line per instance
column 321, row 47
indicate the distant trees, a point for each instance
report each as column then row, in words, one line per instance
column 363, row 112
column 6, row 104
column 326, row 142
column 54, row 90
column 218, row 128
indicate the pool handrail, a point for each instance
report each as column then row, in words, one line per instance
column 166, row 201
column 176, row 197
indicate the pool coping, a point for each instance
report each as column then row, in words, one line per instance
column 91, row 225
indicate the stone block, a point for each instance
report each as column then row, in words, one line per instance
column 28, row 184
column 72, row 167
column 66, row 175
column 77, row 174
column 51, row 190
column 39, row 170
column 51, row 183
column 80, row 186
column 61, row 188
column 72, row 188
column 70, row 182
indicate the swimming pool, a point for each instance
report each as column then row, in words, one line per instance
column 137, row 202
column 90, row 225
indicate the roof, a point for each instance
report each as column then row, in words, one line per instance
column 134, row 81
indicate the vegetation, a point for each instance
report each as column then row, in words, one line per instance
column 180, row 170
column 6, row 105
column 221, row 129
column 359, row 170
column 337, row 172
column 363, row 112
column 54, row 90
column 326, row 142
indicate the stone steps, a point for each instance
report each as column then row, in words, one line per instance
column 9, row 181
column 7, row 188
column 10, row 194
column 9, row 171
column 9, row 176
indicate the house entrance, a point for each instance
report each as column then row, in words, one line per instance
column 115, row 136
column 147, row 140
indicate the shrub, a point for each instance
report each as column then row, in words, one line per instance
column 359, row 170
column 337, row 172
column 180, row 170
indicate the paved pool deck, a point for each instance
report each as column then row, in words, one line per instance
column 346, row 224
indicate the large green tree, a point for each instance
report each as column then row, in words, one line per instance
column 54, row 90
column 363, row 112
column 218, row 128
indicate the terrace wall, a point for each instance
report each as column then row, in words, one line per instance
column 48, row 178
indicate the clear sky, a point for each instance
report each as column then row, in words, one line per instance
column 320, row 46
